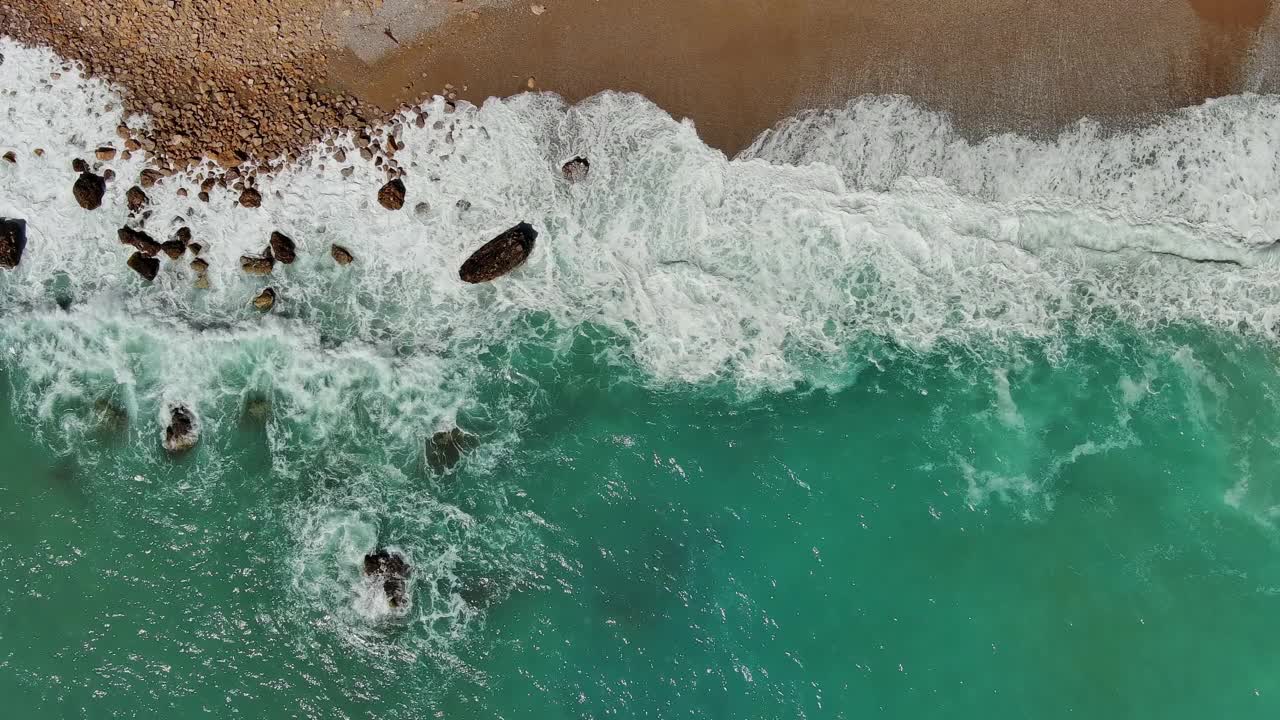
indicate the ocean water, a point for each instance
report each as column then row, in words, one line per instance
column 873, row 421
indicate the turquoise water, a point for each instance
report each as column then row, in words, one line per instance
column 1089, row 537
column 872, row 421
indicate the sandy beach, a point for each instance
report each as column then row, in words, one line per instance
column 736, row 67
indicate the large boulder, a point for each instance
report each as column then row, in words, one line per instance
column 392, row 570
column 391, row 195
column 139, row 240
column 257, row 264
column 446, row 448
column 265, row 300
column 13, row 240
column 183, row 431
column 576, row 169
column 282, row 248
column 88, row 190
column 145, row 266
column 341, row 255
column 135, row 198
column 500, row 255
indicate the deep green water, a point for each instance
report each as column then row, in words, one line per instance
column 1091, row 535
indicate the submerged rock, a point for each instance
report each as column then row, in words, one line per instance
column 145, row 266
column 282, row 248
column 139, row 240
column 391, row 195
column 341, row 255
column 500, row 255
column 259, row 265
column 393, row 570
column 88, row 190
column 446, row 448
column 13, row 241
column 183, row 432
column 265, row 300
column 576, row 169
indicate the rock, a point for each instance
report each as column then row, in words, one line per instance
column 183, row 431
column 251, row 198
column 145, row 266
column 203, row 196
column 183, row 235
column 173, row 248
column 500, row 255
column 79, row 165
column 105, row 153
column 391, row 195
column 149, row 177
column 282, row 248
column 341, row 255
column 200, row 265
column 108, row 174
column 446, row 448
column 576, row 169
column 202, row 282
column 11, row 156
column 265, row 300
column 89, row 189
column 13, row 240
column 195, row 248
column 260, row 265
column 140, row 241
column 135, row 198
column 393, row 570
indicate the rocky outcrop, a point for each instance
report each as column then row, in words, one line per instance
column 265, row 300
column 257, row 265
column 88, row 190
column 391, row 195
column 500, row 255
column 183, row 431
column 251, row 198
column 282, row 248
column 341, row 255
column 393, row 571
column 145, row 266
column 576, row 170
column 446, row 448
column 13, row 241
column 135, row 199
column 139, row 240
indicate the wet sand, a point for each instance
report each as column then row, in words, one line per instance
column 736, row 67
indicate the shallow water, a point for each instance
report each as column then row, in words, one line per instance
column 923, row 429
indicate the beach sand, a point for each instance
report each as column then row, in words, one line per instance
column 736, row 67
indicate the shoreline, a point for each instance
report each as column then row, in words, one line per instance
column 735, row 69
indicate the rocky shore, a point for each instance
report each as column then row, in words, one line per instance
column 232, row 80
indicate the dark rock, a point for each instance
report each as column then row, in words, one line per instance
column 108, row 174
column 195, row 248
column 149, row 177
column 393, row 570
column 203, row 196
column 391, row 195
column 183, row 235
column 13, row 240
column 145, row 266
column 135, row 198
column 183, row 431
column 11, row 156
column 282, row 248
column 139, row 240
column 200, row 265
column 89, row 189
column 79, row 165
column 341, row 255
column 500, row 255
column 260, row 265
column 173, row 248
column 251, row 198
column 105, row 153
column 265, row 300
column 576, row 169
column 446, row 448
